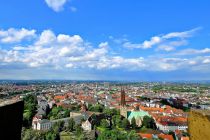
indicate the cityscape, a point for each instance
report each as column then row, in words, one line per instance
column 106, row 110
column 104, row 70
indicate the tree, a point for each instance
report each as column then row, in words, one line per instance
column 148, row 122
column 55, row 128
column 30, row 134
column 116, row 119
column 108, row 112
column 110, row 134
column 50, row 136
column 96, row 108
column 78, row 130
column 133, row 136
column 133, row 123
column 71, row 124
column 104, row 123
column 30, row 107
column 111, row 112
column 58, row 113
column 27, row 135
column 66, row 113
column 125, row 123
column 82, row 137
column 61, row 125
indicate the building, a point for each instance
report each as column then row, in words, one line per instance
column 92, row 119
column 156, row 136
column 87, row 126
column 167, row 126
column 138, row 115
column 45, row 124
column 122, row 103
column 123, row 109
column 77, row 116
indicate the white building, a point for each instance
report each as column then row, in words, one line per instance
column 166, row 127
column 44, row 125
column 38, row 124
column 87, row 126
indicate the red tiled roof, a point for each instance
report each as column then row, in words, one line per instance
column 151, row 109
column 185, row 138
column 166, row 137
column 59, row 97
column 147, row 136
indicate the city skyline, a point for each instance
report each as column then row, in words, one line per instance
column 92, row 40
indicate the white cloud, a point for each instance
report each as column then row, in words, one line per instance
column 69, row 39
column 47, row 37
column 193, row 51
column 70, row 65
column 15, row 35
column 103, row 45
column 206, row 61
column 171, row 46
column 62, row 51
column 185, row 34
column 165, row 48
column 56, row 5
column 145, row 45
column 165, row 42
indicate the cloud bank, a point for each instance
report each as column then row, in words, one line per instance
column 69, row 52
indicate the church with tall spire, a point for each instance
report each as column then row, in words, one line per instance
column 129, row 113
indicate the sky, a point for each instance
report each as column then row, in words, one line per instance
column 138, row 40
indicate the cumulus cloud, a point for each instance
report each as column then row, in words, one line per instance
column 56, row 5
column 46, row 37
column 166, row 42
column 15, row 35
column 145, row 45
column 62, row 51
column 206, row 61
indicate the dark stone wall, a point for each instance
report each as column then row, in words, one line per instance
column 11, row 117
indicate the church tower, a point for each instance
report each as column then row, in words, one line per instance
column 123, row 109
column 122, row 103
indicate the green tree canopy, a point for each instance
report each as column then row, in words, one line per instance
column 125, row 123
column 71, row 124
column 30, row 107
column 96, row 108
column 148, row 122
column 133, row 136
column 133, row 123
column 104, row 123
column 78, row 130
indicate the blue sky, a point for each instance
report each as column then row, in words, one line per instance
column 105, row 40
